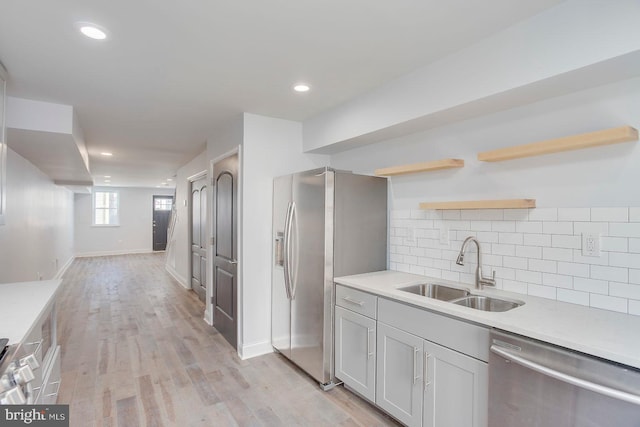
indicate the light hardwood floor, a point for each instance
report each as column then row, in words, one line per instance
column 136, row 352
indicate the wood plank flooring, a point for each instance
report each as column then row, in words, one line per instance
column 136, row 352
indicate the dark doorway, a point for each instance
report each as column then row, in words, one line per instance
column 162, row 206
column 199, row 237
column 225, row 248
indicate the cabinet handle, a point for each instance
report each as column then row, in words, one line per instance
column 369, row 351
column 38, row 348
column 427, row 383
column 353, row 301
column 416, row 377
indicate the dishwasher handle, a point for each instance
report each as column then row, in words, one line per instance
column 561, row 376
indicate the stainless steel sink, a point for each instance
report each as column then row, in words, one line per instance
column 434, row 290
column 484, row 303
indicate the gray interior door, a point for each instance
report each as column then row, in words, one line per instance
column 225, row 248
column 161, row 212
column 199, row 237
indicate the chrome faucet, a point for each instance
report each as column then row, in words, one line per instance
column 480, row 279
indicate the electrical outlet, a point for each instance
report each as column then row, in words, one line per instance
column 591, row 244
column 444, row 236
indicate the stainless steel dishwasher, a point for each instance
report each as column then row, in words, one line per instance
column 532, row 383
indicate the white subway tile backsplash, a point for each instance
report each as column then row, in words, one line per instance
column 543, row 266
column 543, row 214
column 608, row 303
column 574, row 214
column 529, row 227
column 574, row 297
column 591, row 285
column 629, row 260
column 529, row 252
column 534, row 251
column 452, row 214
column 609, row 214
column 483, row 214
column 631, row 229
column 614, row 274
column 488, row 236
column 510, row 238
column 573, row 269
column 514, row 286
column 557, row 254
column 580, row 228
column 529, row 276
column 551, row 227
column 624, row 290
column 634, row 246
column 541, row 291
column 516, row 214
column 537, row 239
column 634, row 307
column 498, row 249
column 569, row 242
column 515, row 262
column 557, row 280
column 616, row 244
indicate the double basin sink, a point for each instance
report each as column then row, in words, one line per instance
column 461, row 297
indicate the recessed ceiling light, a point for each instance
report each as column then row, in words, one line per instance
column 107, row 176
column 301, row 87
column 107, row 154
column 169, row 179
column 107, row 180
column 92, row 30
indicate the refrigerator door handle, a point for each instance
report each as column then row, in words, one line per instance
column 287, row 244
column 293, row 268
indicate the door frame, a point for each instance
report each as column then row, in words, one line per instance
column 190, row 180
column 208, row 313
column 153, row 211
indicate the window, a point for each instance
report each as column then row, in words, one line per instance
column 105, row 208
column 162, row 204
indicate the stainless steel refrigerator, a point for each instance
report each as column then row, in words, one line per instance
column 326, row 224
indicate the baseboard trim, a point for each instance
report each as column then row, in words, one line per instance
column 254, row 350
column 111, row 253
column 64, row 268
column 178, row 278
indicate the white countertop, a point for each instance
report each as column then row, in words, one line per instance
column 610, row 335
column 22, row 304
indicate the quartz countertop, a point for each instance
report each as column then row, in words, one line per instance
column 22, row 304
column 606, row 334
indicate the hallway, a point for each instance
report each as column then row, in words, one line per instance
column 136, row 352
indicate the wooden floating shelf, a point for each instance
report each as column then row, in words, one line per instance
column 568, row 143
column 420, row 167
column 481, row 204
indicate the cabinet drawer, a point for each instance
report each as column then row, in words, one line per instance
column 358, row 301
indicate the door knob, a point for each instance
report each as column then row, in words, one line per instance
column 233, row 261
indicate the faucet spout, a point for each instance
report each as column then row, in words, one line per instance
column 480, row 279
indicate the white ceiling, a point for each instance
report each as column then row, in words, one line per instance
column 171, row 72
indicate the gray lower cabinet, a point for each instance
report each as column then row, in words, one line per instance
column 355, row 352
column 425, row 384
column 399, row 374
column 455, row 388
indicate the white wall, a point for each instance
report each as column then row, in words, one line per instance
column 536, row 251
column 134, row 234
column 37, row 238
column 178, row 253
column 271, row 147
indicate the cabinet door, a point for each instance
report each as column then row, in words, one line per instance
column 456, row 388
column 399, row 374
column 356, row 352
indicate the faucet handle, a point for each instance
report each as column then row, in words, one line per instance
column 485, row 281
